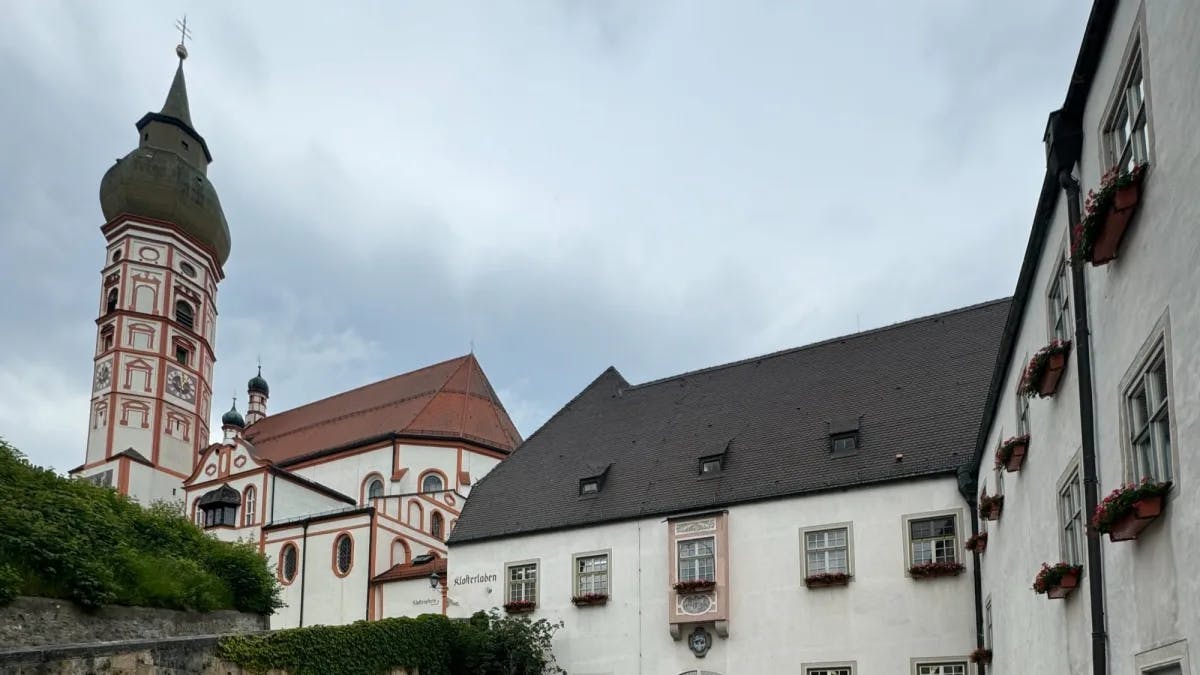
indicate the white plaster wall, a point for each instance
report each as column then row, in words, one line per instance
column 881, row 620
column 346, row 473
column 478, row 465
column 147, row 485
column 411, row 597
column 293, row 500
column 328, row 598
column 418, row 458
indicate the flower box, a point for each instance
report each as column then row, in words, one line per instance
column 981, row 656
column 1128, row 510
column 520, row 606
column 932, row 570
column 1058, row 580
column 1011, row 453
column 990, row 506
column 1045, row 369
column 977, row 542
column 1107, row 214
column 827, row 579
column 694, row 586
column 589, row 599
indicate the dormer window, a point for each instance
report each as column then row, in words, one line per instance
column 593, row 481
column 712, row 465
column 847, row 442
column 589, row 486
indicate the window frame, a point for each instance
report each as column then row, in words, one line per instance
column 1164, row 656
column 190, row 323
column 283, row 551
column 805, row 531
column 907, row 519
column 1071, row 480
column 249, row 505
column 1156, row 350
column 923, row 662
column 426, row 476
column 852, row 436
column 221, row 515
column 1134, row 59
column 437, row 525
column 678, row 555
column 576, row 574
column 707, row 460
column 1057, row 308
column 335, row 549
column 535, row 563
column 814, row 668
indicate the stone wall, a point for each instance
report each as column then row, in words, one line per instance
column 32, row 622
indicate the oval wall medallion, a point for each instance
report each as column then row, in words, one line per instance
column 149, row 254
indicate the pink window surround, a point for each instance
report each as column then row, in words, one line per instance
column 705, row 526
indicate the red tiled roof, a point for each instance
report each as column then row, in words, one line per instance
column 451, row 399
column 408, row 571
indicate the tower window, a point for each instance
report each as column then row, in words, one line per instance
column 187, row 270
column 182, row 355
column 184, row 315
column 110, row 303
column 116, row 256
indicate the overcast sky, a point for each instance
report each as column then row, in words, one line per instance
column 658, row 186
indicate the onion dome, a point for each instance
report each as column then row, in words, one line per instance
column 166, row 176
column 233, row 418
column 257, row 385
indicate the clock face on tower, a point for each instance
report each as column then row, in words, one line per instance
column 181, row 384
column 103, row 376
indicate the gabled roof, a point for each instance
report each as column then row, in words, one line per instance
column 134, row 455
column 916, row 388
column 403, row 571
column 448, row 400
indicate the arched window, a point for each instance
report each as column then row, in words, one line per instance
column 287, row 563
column 110, row 303
column 435, row 525
column 185, row 315
column 248, row 503
column 432, row 483
column 343, row 554
column 375, row 489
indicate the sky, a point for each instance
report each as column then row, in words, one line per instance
column 563, row 185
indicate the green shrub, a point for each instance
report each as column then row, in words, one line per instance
column 433, row 644
column 10, row 584
column 70, row 539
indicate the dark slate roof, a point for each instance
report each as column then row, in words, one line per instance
column 222, row 495
column 916, row 388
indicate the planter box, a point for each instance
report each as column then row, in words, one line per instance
column 586, row 601
column 1131, row 525
column 1053, row 373
column 1017, row 457
column 991, row 512
column 979, row 545
column 827, row 580
column 687, row 587
column 520, row 607
column 1116, row 221
column 935, row 570
column 1064, row 587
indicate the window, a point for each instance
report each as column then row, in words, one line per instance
column 184, row 315
column 591, row 574
column 436, row 525
column 1173, row 669
column 116, row 256
column 187, row 270
column 847, row 442
column 987, row 625
column 218, row 516
column 432, row 483
column 933, row 540
column 1023, row 413
column 1127, row 133
column 711, row 465
column 106, row 338
column 697, row 561
column 827, row 551
column 829, row 670
column 522, row 582
column 946, row 668
column 375, row 489
column 110, row 303
column 1059, row 302
column 589, row 486
column 1070, row 518
column 1149, row 421
column 182, row 355
column 248, row 503
column 287, row 563
column 343, row 554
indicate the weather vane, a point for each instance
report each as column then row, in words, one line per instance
column 184, row 34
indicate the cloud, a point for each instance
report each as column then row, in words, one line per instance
column 567, row 185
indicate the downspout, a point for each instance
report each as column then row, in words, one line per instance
column 370, row 563
column 303, row 569
column 1087, row 431
column 967, row 488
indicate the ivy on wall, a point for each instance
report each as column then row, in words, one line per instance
column 66, row 538
column 487, row 644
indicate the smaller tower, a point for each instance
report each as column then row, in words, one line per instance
column 259, row 392
column 232, row 423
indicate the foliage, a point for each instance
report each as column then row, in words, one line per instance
column 1052, row 575
column 694, row 586
column 1120, row 502
column 1005, row 451
column 434, row 645
column 10, row 584
column 1031, row 378
column 67, row 538
column 936, row 569
column 827, row 579
column 980, row 655
column 990, row 505
column 1097, row 206
column 590, row 599
column 520, row 606
column 977, row 542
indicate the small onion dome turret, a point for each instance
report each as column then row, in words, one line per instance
column 257, row 385
column 233, row 418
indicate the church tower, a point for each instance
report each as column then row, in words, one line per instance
column 167, row 241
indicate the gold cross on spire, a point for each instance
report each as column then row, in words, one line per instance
column 184, row 34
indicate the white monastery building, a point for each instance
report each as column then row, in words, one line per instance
column 351, row 497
